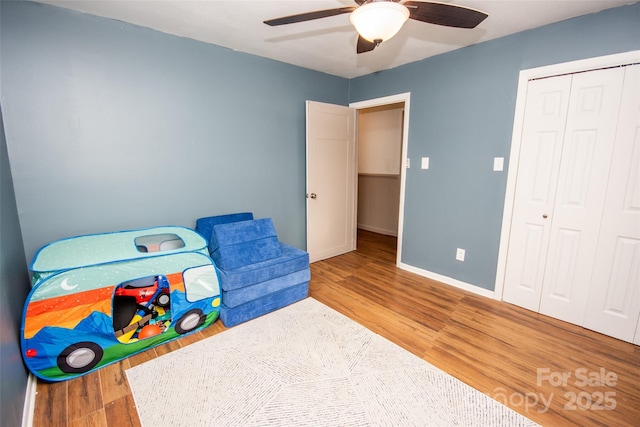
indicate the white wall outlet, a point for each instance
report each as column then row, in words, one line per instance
column 408, row 163
column 460, row 254
column 425, row 163
column 498, row 164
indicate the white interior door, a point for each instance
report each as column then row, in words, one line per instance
column 613, row 306
column 589, row 138
column 538, row 168
column 331, row 180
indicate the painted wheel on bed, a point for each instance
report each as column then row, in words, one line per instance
column 163, row 300
column 190, row 321
column 80, row 357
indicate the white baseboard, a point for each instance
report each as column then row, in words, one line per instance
column 29, row 401
column 378, row 230
column 448, row 281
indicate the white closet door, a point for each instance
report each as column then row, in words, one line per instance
column 541, row 148
column 613, row 306
column 582, row 184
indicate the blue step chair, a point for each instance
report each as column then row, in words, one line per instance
column 258, row 273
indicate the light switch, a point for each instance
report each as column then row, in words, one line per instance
column 498, row 164
column 425, row 163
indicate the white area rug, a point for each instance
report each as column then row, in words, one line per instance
column 305, row 365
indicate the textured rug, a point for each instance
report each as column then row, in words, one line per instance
column 305, row 365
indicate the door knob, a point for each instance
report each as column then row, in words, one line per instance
column 544, row 216
column 313, row 195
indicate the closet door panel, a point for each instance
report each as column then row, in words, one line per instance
column 613, row 306
column 541, row 147
column 582, row 185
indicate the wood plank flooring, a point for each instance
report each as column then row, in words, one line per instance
column 553, row 372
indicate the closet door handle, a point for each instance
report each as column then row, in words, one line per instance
column 544, row 216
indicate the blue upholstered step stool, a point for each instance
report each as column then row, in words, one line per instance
column 258, row 273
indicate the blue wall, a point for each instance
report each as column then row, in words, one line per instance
column 111, row 126
column 14, row 287
column 461, row 117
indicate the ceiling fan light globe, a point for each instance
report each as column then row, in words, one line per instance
column 379, row 21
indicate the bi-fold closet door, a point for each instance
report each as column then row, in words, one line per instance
column 574, row 247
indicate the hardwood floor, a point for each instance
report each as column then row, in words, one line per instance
column 553, row 372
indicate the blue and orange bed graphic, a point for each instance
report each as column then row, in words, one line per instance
column 100, row 298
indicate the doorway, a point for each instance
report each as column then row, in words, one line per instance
column 379, row 145
column 384, row 177
column 332, row 175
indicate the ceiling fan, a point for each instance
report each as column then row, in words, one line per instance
column 378, row 20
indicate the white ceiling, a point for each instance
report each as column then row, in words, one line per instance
column 328, row 44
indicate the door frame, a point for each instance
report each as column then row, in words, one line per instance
column 377, row 102
column 514, row 156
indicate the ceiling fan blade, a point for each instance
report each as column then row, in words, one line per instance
column 365, row 45
column 449, row 15
column 309, row 16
